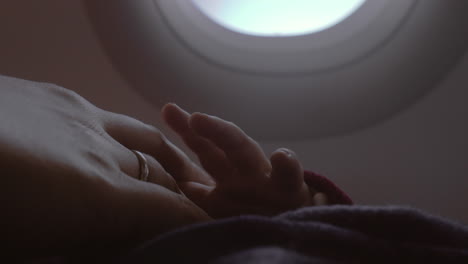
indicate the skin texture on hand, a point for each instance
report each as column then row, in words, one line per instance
column 237, row 178
column 68, row 175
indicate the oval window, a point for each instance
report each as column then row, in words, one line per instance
column 278, row 17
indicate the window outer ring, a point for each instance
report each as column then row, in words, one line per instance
column 347, row 42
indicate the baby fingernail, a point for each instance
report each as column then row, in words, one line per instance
column 320, row 199
column 287, row 152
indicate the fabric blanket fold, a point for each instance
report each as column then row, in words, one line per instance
column 328, row 234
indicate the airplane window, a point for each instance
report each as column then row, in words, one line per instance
column 278, row 17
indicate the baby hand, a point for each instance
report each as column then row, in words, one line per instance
column 237, row 178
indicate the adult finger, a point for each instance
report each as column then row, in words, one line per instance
column 156, row 174
column 138, row 211
column 212, row 158
column 243, row 152
column 136, row 135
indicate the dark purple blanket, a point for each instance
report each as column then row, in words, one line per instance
column 331, row 234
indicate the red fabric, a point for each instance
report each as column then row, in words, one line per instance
column 322, row 184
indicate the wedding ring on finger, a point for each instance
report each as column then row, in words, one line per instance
column 144, row 169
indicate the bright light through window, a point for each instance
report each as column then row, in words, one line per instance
column 278, row 17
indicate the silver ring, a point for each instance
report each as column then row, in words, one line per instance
column 144, row 169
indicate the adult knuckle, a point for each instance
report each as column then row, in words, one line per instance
column 67, row 96
column 59, row 90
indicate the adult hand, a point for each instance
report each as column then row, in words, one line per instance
column 69, row 175
column 237, row 178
